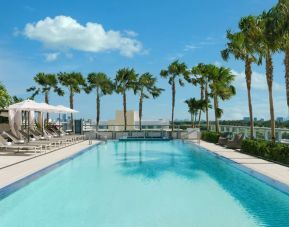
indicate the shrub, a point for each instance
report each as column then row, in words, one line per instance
column 272, row 151
column 211, row 137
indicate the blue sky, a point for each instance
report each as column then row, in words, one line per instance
column 147, row 35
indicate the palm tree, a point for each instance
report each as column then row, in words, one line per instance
column 45, row 83
column 103, row 86
column 16, row 99
column 261, row 30
column 200, row 77
column 75, row 83
column 124, row 80
column 175, row 71
column 221, row 87
column 194, row 107
column 145, row 86
column 280, row 23
column 242, row 48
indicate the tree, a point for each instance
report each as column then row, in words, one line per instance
column 221, row 87
column 176, row 70
column 4, row 97
column 242, row 48
column 16, row 99
column 280, row 24
column 125, row 80
column 103, row 85
column 146, row 87
column 45, row 83
column 201, row 78
column 75, row 83
column 261, row 30
column 194, row 107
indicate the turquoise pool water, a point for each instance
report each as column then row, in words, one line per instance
column 145, row 184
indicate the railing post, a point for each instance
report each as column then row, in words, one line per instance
column 279, row 136
column 266, row 135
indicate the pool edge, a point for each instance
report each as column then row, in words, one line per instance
column 276, row 184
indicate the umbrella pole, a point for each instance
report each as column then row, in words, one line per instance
column 25, row 118
column 28, row 127
column 59, row 124
column 42, row 125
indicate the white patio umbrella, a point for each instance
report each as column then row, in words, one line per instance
column 26, row 105
column 63, row 109
column 30, row 105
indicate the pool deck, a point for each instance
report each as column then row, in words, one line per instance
column 15, row 167
column 274, row 174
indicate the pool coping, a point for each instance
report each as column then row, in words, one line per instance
column 280, row 186
column 12, row 187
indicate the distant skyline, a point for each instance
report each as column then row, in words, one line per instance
column 87, row 36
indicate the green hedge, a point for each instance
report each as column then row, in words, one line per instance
column 270, row 151
column 211, row 137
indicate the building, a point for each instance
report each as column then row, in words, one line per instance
column 117, row 124
column 246, row 118
column 280, row 119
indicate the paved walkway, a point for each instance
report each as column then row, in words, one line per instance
column 31, row 165
column 277, row 173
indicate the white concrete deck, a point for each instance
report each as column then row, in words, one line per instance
column 25, row 164
column 277, row 173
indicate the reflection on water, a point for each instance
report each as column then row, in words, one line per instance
column 184, row 160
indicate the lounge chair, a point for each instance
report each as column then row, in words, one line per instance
column 9, row 146
column 56, row 134
column 223, row 139
column 35, row 138
column 8, row 135
column 236, row 142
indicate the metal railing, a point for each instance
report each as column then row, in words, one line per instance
column 105, row 132
column 109, row 131
column 264, row 133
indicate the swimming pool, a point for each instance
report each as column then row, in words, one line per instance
column 142, row 183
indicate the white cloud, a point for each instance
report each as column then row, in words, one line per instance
column 64, row 32
column 258, row 81
column 51, row 56
column 131, row 33
column 190, row 47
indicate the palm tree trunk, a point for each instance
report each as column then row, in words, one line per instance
column 202, row 98
column 207, row 103
column 216, row 114
column 97, row 108
column 286, row 62
column 193, row 117
column 192, row 120
column 173, row 103
column 269, row 76
column 140, row 111
column 46, row 101
column 71, row 107
column 124, row 110
column 248, row 72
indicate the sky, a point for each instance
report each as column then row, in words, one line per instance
column 104, row 36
